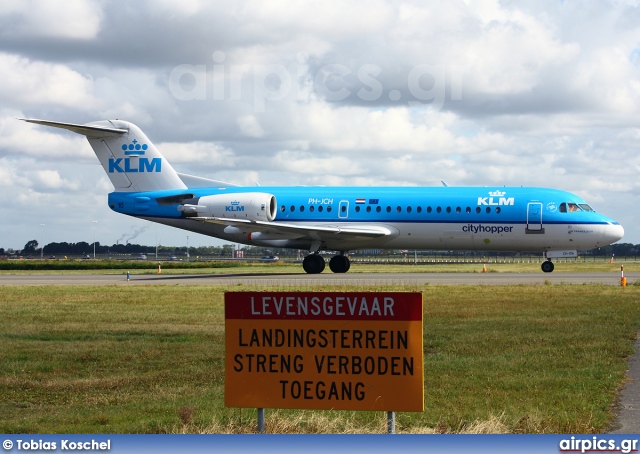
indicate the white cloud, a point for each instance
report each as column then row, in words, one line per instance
column 51, row 179
column 250, row 126
column 75, row 19
column 26, row 82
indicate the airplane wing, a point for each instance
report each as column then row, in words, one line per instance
column 313, row 231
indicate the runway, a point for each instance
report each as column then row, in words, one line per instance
column 326, row 279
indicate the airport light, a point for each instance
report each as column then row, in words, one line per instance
column 94, row 238
column 42, row 248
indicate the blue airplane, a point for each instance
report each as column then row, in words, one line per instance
column 341, row 219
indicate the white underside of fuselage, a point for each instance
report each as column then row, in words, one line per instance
column 426, row 236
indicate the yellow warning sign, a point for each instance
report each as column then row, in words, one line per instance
column 324, row 350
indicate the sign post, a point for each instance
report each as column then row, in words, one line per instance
column 324, row 350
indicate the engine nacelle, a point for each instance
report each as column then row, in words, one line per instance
column 254, row 206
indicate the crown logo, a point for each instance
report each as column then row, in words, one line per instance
column 234, row 203
column 134, row 148
column 497, row 194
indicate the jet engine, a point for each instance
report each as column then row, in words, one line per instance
column 253, row 206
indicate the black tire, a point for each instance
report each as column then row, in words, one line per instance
column 313, row 264
column 547, row 266
column 339, row 264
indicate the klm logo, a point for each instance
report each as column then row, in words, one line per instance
column 135, row 165
column 134, row 160
column 496, row 198
column 235, row 206
column 134, row 148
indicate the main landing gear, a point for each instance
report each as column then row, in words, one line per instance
column 314, row 263
column 547, row 266
column 339, row 263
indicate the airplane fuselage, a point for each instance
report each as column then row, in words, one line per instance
column 444, row 218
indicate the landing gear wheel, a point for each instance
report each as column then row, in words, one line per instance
column 339, row 264
column 313, row 264
column 547, row 266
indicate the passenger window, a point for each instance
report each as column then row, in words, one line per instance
column 292, row 208
column 458, row 210
column 438, row 210
column 378, row 209
column 429, row 210
column 399, row 209
column 468, row 210
column 282, row 208
column 343, row 208
column 498, row 210
column 320, row 209
column 311, row 208
column 408, row 209
column 369, row 209
column 388, row 209
column 488, row 210
column 301, row 208
column 357, row 209
column 419, row 209
column 328, row 209
column 448, row 209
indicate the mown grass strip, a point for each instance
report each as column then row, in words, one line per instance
column 68, row 265
column 519, row 359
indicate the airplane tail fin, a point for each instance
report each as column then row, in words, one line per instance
column 128, row 157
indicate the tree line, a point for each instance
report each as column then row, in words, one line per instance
column 32, row 248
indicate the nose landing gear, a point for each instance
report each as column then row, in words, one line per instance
column 547, row 266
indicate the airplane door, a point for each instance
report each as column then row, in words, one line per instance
column 534, row 217
column 343, row 209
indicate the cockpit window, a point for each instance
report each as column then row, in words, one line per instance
column 574, row 207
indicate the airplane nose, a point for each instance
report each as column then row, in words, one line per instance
column 613, row 233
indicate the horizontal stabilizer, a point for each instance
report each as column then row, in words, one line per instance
column 93, row 131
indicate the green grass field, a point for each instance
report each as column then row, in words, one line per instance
column 150, row 359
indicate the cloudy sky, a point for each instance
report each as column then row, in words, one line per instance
column 540, row 93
